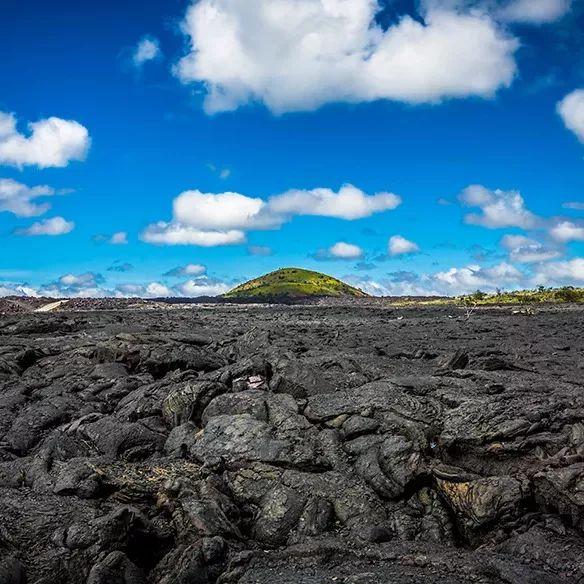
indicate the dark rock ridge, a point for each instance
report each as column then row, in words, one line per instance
column 254, row 445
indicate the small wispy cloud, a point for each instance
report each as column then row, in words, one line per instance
column 365, row 266
column 222, row 173
column 398, row 245
column 53, row 227
column 117, row 238
column 147, row 49
column 121, row 267
column 525, row 250
column 87, row 284
column 20, row 199
column 185, row 271
column 339, row 251
column 574, row 205
column 202, row 287
column 403, row 276
column 259, row 250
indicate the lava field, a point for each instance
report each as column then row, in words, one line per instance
column 301, row 444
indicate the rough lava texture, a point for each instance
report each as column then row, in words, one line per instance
column 279, row 445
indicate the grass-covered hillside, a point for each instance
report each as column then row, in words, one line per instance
column 294, row 283
column 537, row 296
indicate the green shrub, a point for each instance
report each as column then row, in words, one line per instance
column 539, row 295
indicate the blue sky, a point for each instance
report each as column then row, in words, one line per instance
column 458, row 124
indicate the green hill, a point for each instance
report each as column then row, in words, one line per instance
column 293, row 283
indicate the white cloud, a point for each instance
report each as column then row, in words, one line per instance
column 294, row 55
column 220, row 211
column 502, row 272
column 398, row 245
column 348, row 203
column 368, row 285
column 86, row 285
column 467, row 278
column 423, row 286
column 19, row 199
column 87, row 280
column 79, row 293
column 92, row 285
column 156, row 290
column 188, row 270
column 202, row 287
column 566, row 231
column 512, row 11
column 10, row 289
column 163, row 233
column 568, row 272
column 148, row 49
column 534, row 11
column 346, row 251
column 193, row 288
column 339, row 251
column 499, row 208
column 53, row 226
column 119, row 238
column 7, row 125
column 525, row 250
column 211, row 219
column 571, row 110
column 470, row 278
column 125, row 290
column 53, row 142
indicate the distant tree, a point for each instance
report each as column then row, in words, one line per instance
column 478, row 295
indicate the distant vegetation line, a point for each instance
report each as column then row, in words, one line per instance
column 540, row 295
